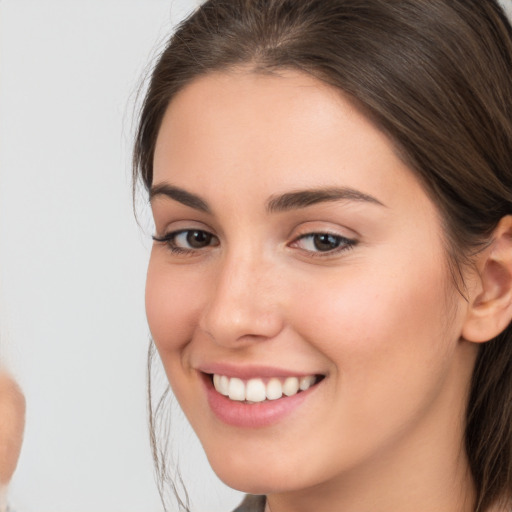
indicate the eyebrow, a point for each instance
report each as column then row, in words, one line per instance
column 305, row 198
column 281, row 203
column 179, row 195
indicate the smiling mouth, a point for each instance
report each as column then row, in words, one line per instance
column 259, row 390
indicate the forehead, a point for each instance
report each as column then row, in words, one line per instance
column 267, row 131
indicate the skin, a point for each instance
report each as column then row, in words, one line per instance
column 12, row 423
column 381, row 320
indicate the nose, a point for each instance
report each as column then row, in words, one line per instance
column 244, row 304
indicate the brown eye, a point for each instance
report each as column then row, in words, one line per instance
column 197, row 239
column 323, row 243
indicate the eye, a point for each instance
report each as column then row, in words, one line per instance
column 188, row 240
column 323, row 243
column 194, row 239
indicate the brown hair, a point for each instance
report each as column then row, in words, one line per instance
column 436, row 76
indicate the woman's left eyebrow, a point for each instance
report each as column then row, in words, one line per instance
column 304, row 198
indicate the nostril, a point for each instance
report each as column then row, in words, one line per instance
column 235, row 329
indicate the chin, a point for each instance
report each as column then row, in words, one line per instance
column 260, row 475
column 250, row 482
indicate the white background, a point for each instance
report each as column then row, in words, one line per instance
column 72, row 258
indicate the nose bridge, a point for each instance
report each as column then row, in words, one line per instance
column 244, row 302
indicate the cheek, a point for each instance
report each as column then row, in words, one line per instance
column 389, row 347
column 381, row 330
column 365, row 307
column 171, row 305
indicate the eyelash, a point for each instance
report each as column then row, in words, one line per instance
column 344, row 244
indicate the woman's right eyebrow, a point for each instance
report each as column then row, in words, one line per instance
column 179, row 195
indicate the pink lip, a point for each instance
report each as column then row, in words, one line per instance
column 240, row 414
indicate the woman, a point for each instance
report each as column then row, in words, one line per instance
column 330, row 286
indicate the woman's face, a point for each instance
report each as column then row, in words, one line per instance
column 296, row 249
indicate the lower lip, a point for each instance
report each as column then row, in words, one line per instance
column 261, row 414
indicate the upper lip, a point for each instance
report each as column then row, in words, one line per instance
column 246, row 372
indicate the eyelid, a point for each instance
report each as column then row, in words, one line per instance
column 327, row 227
column 167, row 225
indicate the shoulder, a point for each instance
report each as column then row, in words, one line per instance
column 251, row 504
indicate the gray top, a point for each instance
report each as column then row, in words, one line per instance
column 252, row 504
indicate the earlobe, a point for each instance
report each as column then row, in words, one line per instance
column 490, row 307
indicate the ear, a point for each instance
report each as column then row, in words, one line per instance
column 490, row 301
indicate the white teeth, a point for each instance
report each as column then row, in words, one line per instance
column 255, row 390
column 236, row 390
column 291, row 386
column 221, row 383
column 224, row 385
column 274, row 389
column 306, row 382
